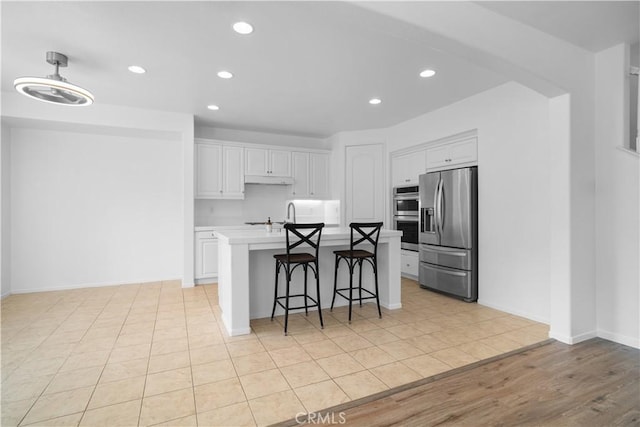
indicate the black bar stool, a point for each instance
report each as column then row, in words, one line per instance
column 307, row 234
column 368, row 233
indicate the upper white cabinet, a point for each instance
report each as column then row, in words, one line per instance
column 319, row 175
column 219, row 171
column 310, row 175
column 233, row 172
column 208, row 170
column 264, row 162
column 406, row 167
column 459, row 153
column 300, row 169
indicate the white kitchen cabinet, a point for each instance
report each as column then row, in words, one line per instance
column 265, row 162
column 208, row 170
column 219, row 171
column 233, row 172
column 300, row 172
column 319, row 175
column 409, row 263
column 310, row 175
column 406, row 167
column 206, row 255
column 461, row 153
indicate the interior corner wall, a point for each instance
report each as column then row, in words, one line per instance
column 617, row 205
column 514, row 160
column 91, row 209
column 5, row 210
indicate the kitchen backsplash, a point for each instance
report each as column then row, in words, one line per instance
column 260, row 202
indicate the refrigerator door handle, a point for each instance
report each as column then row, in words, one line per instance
column 439, row 201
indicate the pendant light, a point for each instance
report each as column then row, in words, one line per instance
column 54, row 88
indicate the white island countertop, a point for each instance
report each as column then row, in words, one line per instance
column 246, row 271
column 278, row 236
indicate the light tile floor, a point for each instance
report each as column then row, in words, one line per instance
column 157, row 354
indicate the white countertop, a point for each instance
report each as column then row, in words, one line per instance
column 251, row 236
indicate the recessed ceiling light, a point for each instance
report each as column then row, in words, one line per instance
column 137, row 69
column 375, row 101
column 213, row 107
column 224, row 74
column 427, row 73
column 242, row 28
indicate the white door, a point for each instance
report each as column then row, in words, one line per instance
column 300, row 169
column 365, row 193
column 208, row 170
column 319, row 175
column 280, row 164
column 209, row 258
column 233, row 180
column 256, row 161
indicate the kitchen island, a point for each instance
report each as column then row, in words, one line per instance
column 247, row 270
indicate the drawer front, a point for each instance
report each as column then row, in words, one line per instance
column 409, row 264
column 205, row 235
column 455, row 282
column 448, row 257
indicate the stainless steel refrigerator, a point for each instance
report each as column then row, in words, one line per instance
column 449, row 232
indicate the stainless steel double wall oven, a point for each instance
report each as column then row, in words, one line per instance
column 406, row 210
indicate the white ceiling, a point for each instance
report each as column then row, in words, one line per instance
column 309, row 68
column 592, row 25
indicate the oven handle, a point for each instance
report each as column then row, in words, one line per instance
column 406, row 196
column 406, row 218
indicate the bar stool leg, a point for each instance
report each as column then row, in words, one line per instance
column 286, row 301
column 306, row 307
column 318, row 295
column 375, row 275
column 360, row 281
column 335, row 282
column 351, row 265
column 275, row 287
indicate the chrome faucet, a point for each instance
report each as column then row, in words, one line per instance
column 289, row 206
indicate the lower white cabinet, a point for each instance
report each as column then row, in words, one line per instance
column 206, row 255
column 409, row 263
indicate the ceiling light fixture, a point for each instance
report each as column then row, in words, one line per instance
column 213, row 107
column 427, row 73
column 375, row 101
column 54, row 88
column 224, row 74
column 136, row 69
column 243, row 28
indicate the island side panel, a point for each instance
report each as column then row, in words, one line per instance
column 389, row 273
column 233, row 286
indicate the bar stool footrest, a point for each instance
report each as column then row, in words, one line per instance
column 355, row 298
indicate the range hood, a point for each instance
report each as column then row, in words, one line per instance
column 275, row 180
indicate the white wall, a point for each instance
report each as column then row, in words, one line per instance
column 513, row 190
column 236, row 135
column 91, row 209
column 617, row 204
column 121, row 135
column 5, row 211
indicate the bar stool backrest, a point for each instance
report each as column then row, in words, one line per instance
column 368, row 232
column 306, row 233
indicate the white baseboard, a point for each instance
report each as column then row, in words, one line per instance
column 620, row 339
column 514, row 312
column 91, row 285
column 575, row 339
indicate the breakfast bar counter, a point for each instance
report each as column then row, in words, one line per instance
column 247, row 272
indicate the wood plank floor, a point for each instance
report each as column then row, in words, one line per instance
column 594, row 383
